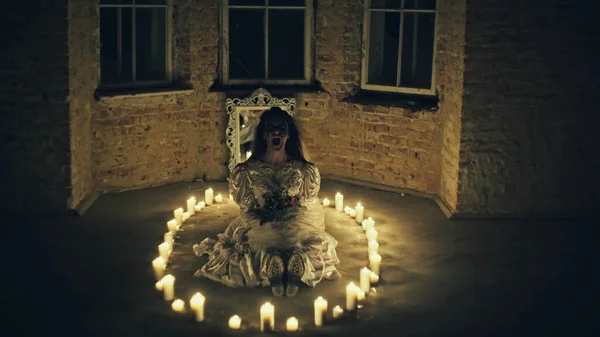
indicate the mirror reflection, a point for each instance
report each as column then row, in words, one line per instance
column 248, row 122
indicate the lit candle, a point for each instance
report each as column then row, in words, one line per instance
column 235, row 322
column 360, row 212
column 368, row 223
column 159, row 285
column 351, row 293
column 159, row 265
column 168, row 285
column 292, row 324
column 267, row 317
column 248, row 154
column 339, row 201
column 360, row 295
column 178, row 305
column 199, row 206
column 191, row 202
column 337, row 311
column 164, row 251
column 365, row 279
column 347, row 210
column 178, row 215
column 320, row 310
column 197, row 305
column 372, row 234
column 168, row 237
column 352, row 213
column 173, row 225
column 375, row 263
column 326, row 202
column 208, row 197
column 186, row 216
column 374, row 278
column 219, row 198
column 373, row 246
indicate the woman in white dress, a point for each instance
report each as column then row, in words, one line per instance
column 279, row 238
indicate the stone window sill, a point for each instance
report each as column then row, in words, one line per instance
column 275, row 90
column 415, row 103
column 124, row 93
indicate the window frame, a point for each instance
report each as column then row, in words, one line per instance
column 365, row 52
column 308, row 46
column 168, row 46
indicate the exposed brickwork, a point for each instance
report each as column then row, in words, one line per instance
column 34, row 112
column 83, row 81
column 528, row 143
column 450, row 68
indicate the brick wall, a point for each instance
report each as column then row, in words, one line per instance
column 34, row 112
column 83, row 80
column 528, row 142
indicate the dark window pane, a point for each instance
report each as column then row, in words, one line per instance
column 247, row 2
column 287, row 2
column 150, row 2
column 383, row 48
column 109, row 57
column 286, row 44
column 150, row 43
column 115, row 2
column 126, row 45
column 395, row 4
column 417, row 50
column 246, row 44
column 419, row 4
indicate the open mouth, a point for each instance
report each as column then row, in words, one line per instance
column 276, row 141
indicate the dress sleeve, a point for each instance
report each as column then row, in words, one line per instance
column 239, row 187
column 312, row 182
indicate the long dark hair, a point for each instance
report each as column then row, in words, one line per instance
column 294, row 146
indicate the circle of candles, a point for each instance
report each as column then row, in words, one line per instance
column 365, row 279
column 339, row 201
column 320, row 310
column 197, row 305
column 372, row 234
column 326, row 202
column 208, row 196
column 360, row 212
column 178, row 215
column 235, row 322
column 191, row 203
column 178, row 305
column 351, row 294
column 337, row 311
column 375, row 263
column 374, row 278
column 219, row 198
column 168, row 285
column 373, row 247
column 173, row 225
column 164, row 250
column 292, row 324
column 159, row 266
column 267, row 317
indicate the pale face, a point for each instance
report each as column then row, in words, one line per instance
column 276, row 134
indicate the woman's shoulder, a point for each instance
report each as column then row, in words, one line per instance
column 310, row 167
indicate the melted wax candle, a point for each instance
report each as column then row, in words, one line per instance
column 197, row 305
column 235, row 322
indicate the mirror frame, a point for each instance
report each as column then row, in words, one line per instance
column 260, row 99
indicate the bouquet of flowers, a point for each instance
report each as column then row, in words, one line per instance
column 276, row 202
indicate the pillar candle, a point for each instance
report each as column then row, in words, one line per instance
column 159, row 285
column 197, row 305
column 168, row 285
column 292, row 324
column 374, row 278
column 320, row 310
column 164, row 251
column 191, row 202
column 159, row 265
column 375, row 263
column 373, row 246
column 372, row 234
column 351, row 291
column 352, row 213
column 368, row 223
column 337, row 311
column 219, row 198
column 267, row 317
column 360, row 212
column 173, row 225
column 365, row 279
column 347, row 210
column 339, row 201
column 235, row 322
column 178, row 305
column 185, row 216
column 208, row 196
column 360, row 295
column 199, row 206
column 168, row 237
column 326, row 202
column 178, row 215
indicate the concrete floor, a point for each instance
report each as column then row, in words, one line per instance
column 92, row 276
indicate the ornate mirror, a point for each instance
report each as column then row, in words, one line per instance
column 244, row 115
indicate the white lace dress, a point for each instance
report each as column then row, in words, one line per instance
column 239, row 256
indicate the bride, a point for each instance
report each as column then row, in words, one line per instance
column 279, row 238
